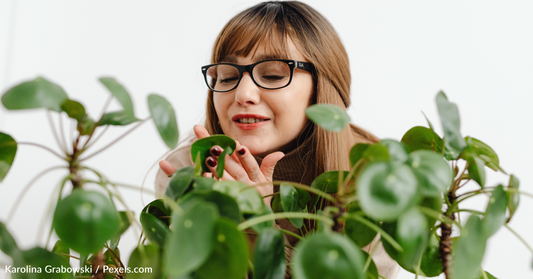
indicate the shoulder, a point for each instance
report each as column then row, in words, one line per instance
column 178, row 158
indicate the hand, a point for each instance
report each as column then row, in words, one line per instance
column 240, row 166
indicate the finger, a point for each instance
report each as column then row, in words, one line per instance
column 269, row 162
column 216, row 151
column 249, row 164
column 212, row 166
column 166, row 167
column 200, row 132
column 234, row 155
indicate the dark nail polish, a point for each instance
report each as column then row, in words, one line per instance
column 216, row 151
column 242, row 151
column 211, row 162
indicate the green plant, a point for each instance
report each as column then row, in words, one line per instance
column 404, row 190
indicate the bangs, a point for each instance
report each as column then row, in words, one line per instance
column 265, row 26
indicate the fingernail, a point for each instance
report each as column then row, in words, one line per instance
column 211, row 162
column 242, row 151
column 216, row 151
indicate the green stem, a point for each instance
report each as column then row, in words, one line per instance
column 483, row 272
column 43, row 147
column 513, row 190
column 116, row 140
column 26, row 190
column 438, row 215
column 85, row 146
column 519, row 237
column 290, row 233
column 377, row 229
column 304, row 187
column 254, row 221
column 369, row 260
column 63, row 148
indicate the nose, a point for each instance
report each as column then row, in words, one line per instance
column 247, row 93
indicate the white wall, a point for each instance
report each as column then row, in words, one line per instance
column 402, row 53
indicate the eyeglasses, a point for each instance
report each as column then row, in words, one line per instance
column 268, row 74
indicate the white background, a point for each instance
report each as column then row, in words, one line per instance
column 401, row 52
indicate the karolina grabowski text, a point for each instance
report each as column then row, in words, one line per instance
column 85, row 269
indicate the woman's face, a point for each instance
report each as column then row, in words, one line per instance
column 282, row 111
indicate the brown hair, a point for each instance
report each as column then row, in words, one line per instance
column 274, row 22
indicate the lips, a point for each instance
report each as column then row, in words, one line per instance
column 250, row 121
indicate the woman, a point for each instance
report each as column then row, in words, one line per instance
column 269, row 63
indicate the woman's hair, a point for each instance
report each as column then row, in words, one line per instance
column 272, row 23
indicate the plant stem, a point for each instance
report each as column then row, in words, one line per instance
column 254, row 221
column 369, row 260
column 26, row 190
column 43, row 147
column 519, row 237
column 377, row 229
column 445, row 245
column 63, row 148
column 290, row 233
column 116, row 140
column 304, row 187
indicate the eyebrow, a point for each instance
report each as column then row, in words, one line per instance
column 233, row 58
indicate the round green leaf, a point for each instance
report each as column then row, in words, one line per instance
column 164, row 119
column 86, row 126
column 8, row 150
column 412, row 234
column 247, row 197
column 396, row 150
column 180, row 183
column 328, row 256
column 269, row 255
column 433, row 173
column 204, row 147
column 386, row 190
column 7, row 242
column 451, row 123
column 44, row 259
column 117, row 118
column 85, row 220
column 227, row 206
column 160, row 210
column 230, row 254
column 476, row 170
column 434, row 203
column 485, row 152
column 431, row 264
column 422, row 138
column 358, row 232
column 374, row 152
column 145, row 256
column 290, row 202
column 203, row 183
column 328, row 181
column 356, row 153
column 155, row 229
column 468, row 249
column 513, row 198
column 495, row 213
column 192, row 240
column 73, row 109
column 38, row 93
column 118, row 91
column 329, row 117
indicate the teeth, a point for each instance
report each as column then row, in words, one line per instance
column 250, row 120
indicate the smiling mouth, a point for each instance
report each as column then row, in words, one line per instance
column 250, row 120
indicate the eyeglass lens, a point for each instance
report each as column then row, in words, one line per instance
column 268, row 74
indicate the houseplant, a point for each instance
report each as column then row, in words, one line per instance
column 408, row 191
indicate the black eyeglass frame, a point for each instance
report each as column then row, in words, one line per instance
column 293, row 64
